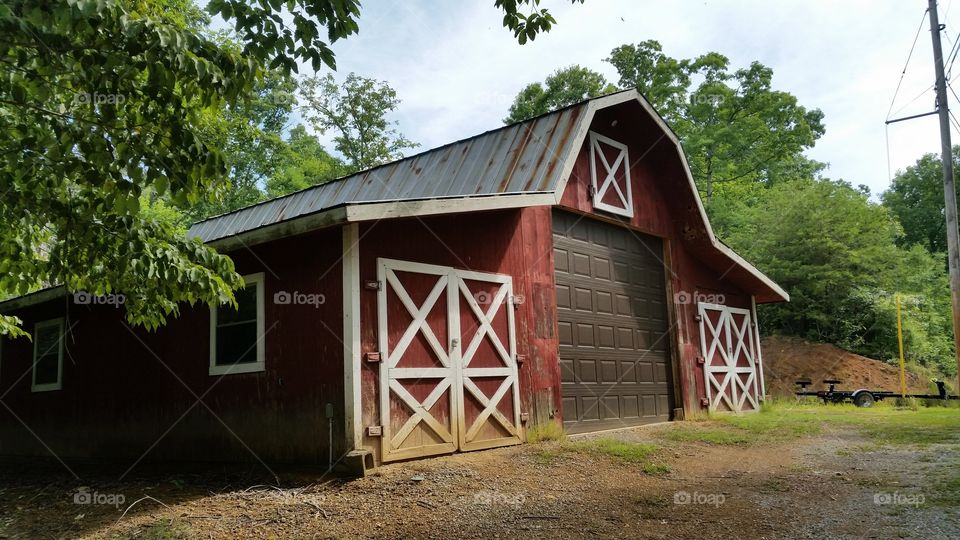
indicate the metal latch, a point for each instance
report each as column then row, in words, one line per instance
column 372, row 285
column 372, row 356
column 374, row 431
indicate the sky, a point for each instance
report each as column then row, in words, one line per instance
column 457, row 70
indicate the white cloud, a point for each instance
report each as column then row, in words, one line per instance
column 456, row 69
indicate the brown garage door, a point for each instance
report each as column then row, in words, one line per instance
column 614, row 344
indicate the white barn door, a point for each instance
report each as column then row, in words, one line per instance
column 448, row 371
column 731, row 370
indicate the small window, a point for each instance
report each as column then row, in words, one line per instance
column 237, row 335
column 610, row 175
column 47, row 355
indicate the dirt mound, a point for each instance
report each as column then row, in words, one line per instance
column 786, row 359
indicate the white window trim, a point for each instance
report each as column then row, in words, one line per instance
column 600, row 190
column 34, row 387
column 251, row 367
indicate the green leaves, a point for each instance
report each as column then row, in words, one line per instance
column 916, row 197
column 99, row 106
column 835, row 252
column 526, row 26
column 356, row 111
column 564, row 87
column 268, row 38
column 119, row 115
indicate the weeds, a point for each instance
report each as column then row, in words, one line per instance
column 549, row 431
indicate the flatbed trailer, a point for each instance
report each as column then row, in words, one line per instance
column 862, row 397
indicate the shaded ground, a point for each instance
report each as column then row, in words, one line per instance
column 794, row 472
column 787, row 359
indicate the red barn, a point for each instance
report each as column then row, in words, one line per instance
column 557, row 270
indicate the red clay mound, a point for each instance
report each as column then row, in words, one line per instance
column 786, row 359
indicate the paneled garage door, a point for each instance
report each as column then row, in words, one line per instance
column 614, row 342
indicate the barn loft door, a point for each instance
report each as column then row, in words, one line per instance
column 448, row 372
column 727, row 341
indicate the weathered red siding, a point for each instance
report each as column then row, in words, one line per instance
column 124, row 389
column 664, row 208
column 513, row 242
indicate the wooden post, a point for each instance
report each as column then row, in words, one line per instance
column 949, row 191
column 903, row 376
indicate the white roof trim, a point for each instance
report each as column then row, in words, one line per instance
column 452, row 205
column 34, row 298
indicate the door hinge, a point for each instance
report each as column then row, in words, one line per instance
column 372, row 284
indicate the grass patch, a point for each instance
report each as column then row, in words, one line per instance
column 626, row 451
column 631, row 452
column 656, row 468
column 948, row 492
column 710, row 435
column 549, row 431
column 546, row 456
column 890, row 426
column 884, row 424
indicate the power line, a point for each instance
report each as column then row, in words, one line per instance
column 956, row 123
column 918, row 96
column 907, row 64
column 952, row 56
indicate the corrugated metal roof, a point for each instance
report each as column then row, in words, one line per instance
column 515, row 159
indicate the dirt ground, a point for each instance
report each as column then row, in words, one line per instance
column 787, row 359
column 832, row 484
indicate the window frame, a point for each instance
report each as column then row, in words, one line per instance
column 58, row 385
column 598, row 190
column 257, row 280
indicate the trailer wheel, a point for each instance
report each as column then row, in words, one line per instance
column 863, row 399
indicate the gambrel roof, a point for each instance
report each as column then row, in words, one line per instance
column 519, row 165
column 523, row 164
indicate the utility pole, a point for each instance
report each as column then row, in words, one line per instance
column 949, row 192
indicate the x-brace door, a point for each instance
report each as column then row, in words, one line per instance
column 729, row 369
column 448, row 372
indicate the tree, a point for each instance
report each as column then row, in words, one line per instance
column 916, row 197
column 103, row 100
column 734, row 125
column 250, row 135
column 663, row 80
column 835, row 252
column 564, row 87
column 357, row 112
column 305, row 163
